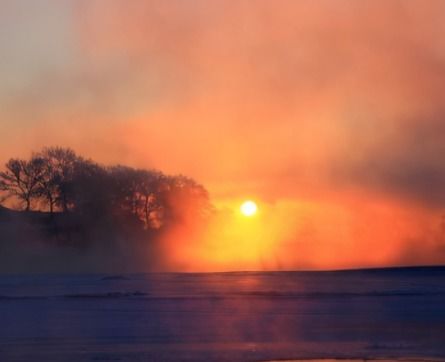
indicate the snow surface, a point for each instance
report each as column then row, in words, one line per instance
column 248, row 316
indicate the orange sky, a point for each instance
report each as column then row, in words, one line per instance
column 329, row 113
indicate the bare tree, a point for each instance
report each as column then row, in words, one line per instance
column 135, row 192
column 124, row 186
column 63, row 181
column 48, row 183
column 149, row 186
column 21, row 180
column 184, row 199
column 60, row 168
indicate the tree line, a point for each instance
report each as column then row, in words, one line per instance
column 57, row 180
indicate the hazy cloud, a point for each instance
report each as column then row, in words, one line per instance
column 328, row 102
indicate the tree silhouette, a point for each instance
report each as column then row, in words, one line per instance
column 136, row 192
column 149, row 188
column 60, row 181
column 60, row 167
column 21, row 179
column 47, row 183
column 184, row 200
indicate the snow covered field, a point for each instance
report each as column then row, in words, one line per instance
column 249, row 316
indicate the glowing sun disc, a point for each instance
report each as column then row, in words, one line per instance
column 248, row 208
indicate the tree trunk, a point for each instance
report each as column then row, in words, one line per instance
column 146, row 211
column 64, row 203
column 51, row 209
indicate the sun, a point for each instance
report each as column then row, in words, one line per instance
column 248, row 208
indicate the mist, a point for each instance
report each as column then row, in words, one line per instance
column 329, row 115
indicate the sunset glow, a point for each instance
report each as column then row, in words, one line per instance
column 323, row 123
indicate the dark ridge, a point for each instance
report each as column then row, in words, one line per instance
column 106, row 295
column 24, row 297
column 424, row 269
column 114, row 277
column 227, row 296
column 421, row 269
